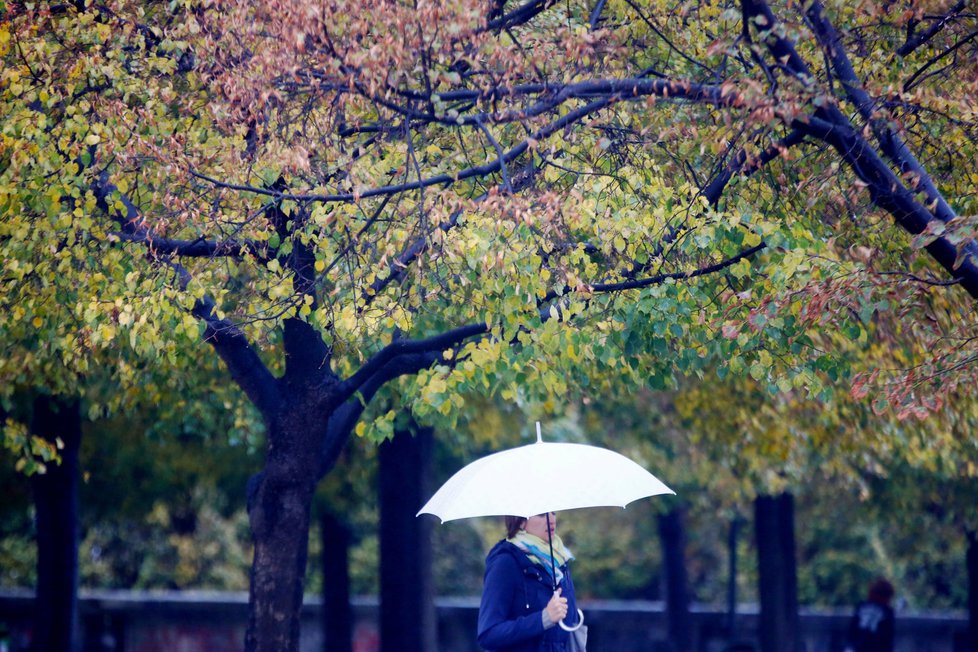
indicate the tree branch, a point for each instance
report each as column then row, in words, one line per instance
column 911, row 82
column 659, row 279
column 595, row 17
column 410, row 253
column 507, row 185
column 888, row 192
column 199, row 248
column 756, row 12
column 344, row 417
column 518, row 16
column 914, row 41
column 741, row 165
column 228, row 340
column 891, row 144
column 400, row 348
column 602, row 92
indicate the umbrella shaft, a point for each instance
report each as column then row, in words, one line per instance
column 550, row 540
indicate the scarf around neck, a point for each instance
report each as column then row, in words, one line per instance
column 538, row 550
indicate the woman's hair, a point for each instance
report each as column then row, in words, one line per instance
column 513, row 525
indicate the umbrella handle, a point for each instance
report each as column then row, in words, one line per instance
column 580, row 621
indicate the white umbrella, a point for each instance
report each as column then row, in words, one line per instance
column 541, row 478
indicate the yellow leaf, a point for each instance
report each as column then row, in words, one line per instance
column 572, row 353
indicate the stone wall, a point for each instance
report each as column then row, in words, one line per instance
column 126, row 621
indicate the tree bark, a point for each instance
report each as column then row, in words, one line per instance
column 337, row 614
column 56, row 504
column 672, row 533
column 972, row 563
column 778, row 587
column 407, row 609
column 279, row 509
column 789, row 596
column 280, row 527
column 732, row 540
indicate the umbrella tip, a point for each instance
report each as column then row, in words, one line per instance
column 539, row 436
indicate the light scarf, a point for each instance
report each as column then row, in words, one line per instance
column 538, row 550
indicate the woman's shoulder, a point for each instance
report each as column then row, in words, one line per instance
column 503, row 550
column 502, row 546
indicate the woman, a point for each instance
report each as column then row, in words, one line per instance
column 520, row 609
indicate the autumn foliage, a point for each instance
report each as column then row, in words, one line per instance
column 433, row 199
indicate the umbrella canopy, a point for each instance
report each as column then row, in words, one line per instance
column 542, row 477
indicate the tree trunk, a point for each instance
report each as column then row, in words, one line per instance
column 778, row 587
column 337, row 614
column 732, row 540
column 972, row 563
column 407, row 611
column 789, row 596
column 56, row 504
column 672, row 532
column 279, row 508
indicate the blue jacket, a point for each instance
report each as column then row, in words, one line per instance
column 515, row 594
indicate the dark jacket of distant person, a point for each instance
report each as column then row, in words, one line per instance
column 872, row 626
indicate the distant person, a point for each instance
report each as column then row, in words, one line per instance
column 871, row 627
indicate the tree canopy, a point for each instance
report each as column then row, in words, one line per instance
column 484, row 196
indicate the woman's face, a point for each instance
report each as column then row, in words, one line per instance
column 537, row 525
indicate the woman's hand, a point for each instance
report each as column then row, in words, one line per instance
column 557, row 607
